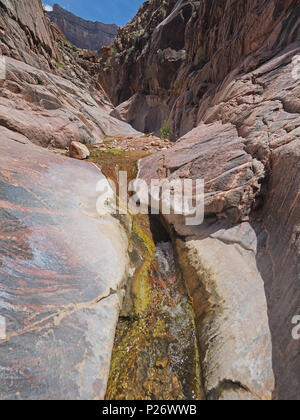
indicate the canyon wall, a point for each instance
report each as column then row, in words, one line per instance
column 26, row 35
column 229, row 88
column 169, row 60
column 50, row 93
column 83, row 33
column 225, row 75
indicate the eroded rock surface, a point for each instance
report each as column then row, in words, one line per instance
column 82, row 33
column 279, row 262
column 26, row 34
column 241, row 99
column 62, row 269
column 171, row 58
column 51, row 110
column 231, row 314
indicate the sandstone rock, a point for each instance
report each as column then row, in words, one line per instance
column 279, row 262
column 231, row 317
column 242, row 98
column 82, row 33
column 27, row 33
column 216, row 154
column 53, row 111
column 62, row 271
column 210, row 39
column 78, row 151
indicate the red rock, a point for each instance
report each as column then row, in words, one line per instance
column 80, row 32
column 59, row 265
column 155, row 144
column 78, row 151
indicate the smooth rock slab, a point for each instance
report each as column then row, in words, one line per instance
column 230, row 314
column 61, row 273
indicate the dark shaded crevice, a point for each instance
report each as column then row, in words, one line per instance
column 227, row 385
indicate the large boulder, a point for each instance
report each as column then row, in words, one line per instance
column 62, row 269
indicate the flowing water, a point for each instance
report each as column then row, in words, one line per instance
column 155, row 352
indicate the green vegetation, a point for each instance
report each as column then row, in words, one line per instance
column 114, row 51
column 165, row 131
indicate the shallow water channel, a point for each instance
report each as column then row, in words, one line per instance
column 155, row 354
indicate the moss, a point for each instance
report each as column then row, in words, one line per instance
column 115, row 152
column 144, row 236
column 144, row 361
column 111, row 159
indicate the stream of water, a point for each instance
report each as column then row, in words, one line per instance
column 155, row 354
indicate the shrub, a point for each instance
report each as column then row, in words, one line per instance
column 165, row 131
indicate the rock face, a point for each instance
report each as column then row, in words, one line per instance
column 236, row 105
column 26, row 34
column 80, row 32
column 50, row 110
column 172, row 57
column 48, row 92
column 62, row 269
column 278, row 261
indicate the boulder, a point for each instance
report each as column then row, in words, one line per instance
column 78, row 150
column 62, row 270
column 231, row 313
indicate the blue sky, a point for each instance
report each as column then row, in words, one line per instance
column 107, row 11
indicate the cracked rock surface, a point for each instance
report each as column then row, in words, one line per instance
column 62, row 269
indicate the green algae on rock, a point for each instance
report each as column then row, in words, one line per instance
column 155, row 353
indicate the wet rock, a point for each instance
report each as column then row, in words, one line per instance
column 62, row 269
column 78, row 151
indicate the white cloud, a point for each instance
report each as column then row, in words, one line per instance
column 48, row 8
